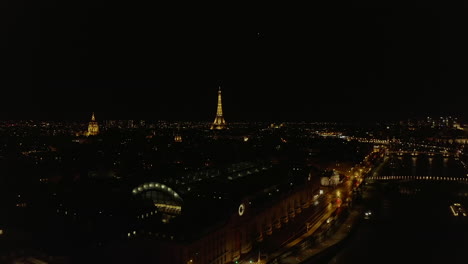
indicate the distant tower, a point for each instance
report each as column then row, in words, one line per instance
column 177, row 136
column 219, row 122
column 93, row 128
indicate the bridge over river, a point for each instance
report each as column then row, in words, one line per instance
column 414, row 177
column 409, row 197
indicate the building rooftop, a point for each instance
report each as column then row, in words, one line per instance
column 212, row 203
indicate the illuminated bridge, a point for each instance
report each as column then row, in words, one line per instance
column 419, row 178
column 417, row 153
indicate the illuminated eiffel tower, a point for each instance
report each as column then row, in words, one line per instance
column 219, row 122
column 93, row 128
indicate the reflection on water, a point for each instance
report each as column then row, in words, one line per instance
column 413, row 222
column 424, row 165
column 413, row 165
column 429, row 168
column 414, row 227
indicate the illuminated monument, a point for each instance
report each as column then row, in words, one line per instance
column 93, row 128
column 219, row 122
column 177, row 136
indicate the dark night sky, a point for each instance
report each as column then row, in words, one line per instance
column 153, row 63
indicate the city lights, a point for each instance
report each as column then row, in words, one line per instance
column 287, row 176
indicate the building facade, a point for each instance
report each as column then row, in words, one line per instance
column 247, row 227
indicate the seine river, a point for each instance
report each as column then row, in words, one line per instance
column 411, row 221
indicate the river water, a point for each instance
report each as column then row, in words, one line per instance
column 411, row 221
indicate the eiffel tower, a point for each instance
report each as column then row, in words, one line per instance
column 219, row 122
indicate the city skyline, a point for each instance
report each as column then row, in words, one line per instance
column 359, row 65
column 144, row 134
